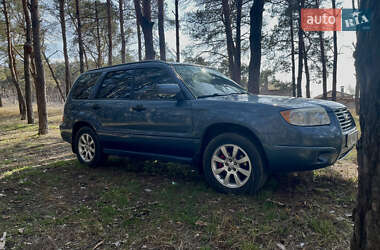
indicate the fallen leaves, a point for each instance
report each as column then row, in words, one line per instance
column 276, row 202
column 98, row 245
column 281, row 246
column 201, row 223
column 2, row 241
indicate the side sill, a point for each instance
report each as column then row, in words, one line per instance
column 187, row 160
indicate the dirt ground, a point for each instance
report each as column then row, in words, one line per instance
column 50, row 201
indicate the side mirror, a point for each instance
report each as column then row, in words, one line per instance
column 170, row 90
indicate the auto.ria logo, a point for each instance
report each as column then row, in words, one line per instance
column 334, row 20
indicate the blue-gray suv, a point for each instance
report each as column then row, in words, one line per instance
column 194, row 114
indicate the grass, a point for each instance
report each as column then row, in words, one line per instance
column 49, row 200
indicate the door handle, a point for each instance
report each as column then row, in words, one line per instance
column 138, row 108
column 95, row 107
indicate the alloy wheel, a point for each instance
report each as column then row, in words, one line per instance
column 231, row 166
column 86, row 147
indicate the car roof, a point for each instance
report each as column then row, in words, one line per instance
column 137, row 63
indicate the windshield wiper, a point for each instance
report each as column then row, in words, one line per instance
column 237, row 93
column 213, row 95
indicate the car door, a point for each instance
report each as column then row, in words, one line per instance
column 112, row 105
column 162, row 123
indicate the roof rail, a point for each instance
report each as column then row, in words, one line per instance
column 130, row 63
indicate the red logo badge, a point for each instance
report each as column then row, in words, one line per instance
column 321, row 19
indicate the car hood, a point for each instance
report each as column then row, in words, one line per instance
column 279, row 101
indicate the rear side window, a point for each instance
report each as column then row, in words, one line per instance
column 85, row 84
column 117, row 85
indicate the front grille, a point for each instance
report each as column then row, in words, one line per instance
column 345, row 119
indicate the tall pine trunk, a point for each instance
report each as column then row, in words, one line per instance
column 335, row 62
column 237, row 52
column 62, row 20
column 178, row 53
column 301, row 46
column 139, row 45
column 11, row 64
column 40, row 75
column 323, row 62
column 255, row 37
column 161, row 30
column 109, row 31
column 144, row 16
column 99, row 61
column 27, row 51
column 357, row 85
column 291, row 23
column 229, row 40
column 122, row 33
column 367, row 59
column 79, row 33
column 307, row 72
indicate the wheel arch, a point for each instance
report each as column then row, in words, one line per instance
column 220, row 128
column 76, row 127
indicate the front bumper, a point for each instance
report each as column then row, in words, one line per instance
column 291, row 158
column 301, row 158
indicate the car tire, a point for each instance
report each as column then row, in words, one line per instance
column 233, row 164
column 89, row 150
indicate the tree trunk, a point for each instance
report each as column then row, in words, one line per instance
column 293, row 50
column 255, row 37
column 109, row 31
column 144, row 17
column 27, row 51
column 62, row 20
column 98, row 46
column 300, row 51
column 177, row 31
column 323, row 62
column 40, row 83
column 237, row 52
column 357, row 85
column 122, row 33
column 307, row 72
column 139, row 46
column 161, row 31
column 1, row 101
column 335, row 63
column 11, row 64
column 230, row 42
column 367, row 58
column 79, row 33
column 85, row 57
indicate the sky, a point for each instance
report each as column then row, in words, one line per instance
column 346, row 40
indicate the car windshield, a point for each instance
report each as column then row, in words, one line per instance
column 206, row 82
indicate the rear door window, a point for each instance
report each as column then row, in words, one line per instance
column 85, row 85
column 117, row 85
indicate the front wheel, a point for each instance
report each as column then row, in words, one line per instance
column 88, row 148
column 232, row 164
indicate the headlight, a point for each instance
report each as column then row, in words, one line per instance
column 306, row 116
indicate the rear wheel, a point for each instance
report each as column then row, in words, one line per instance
column 232, row 164
column 88, row 148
